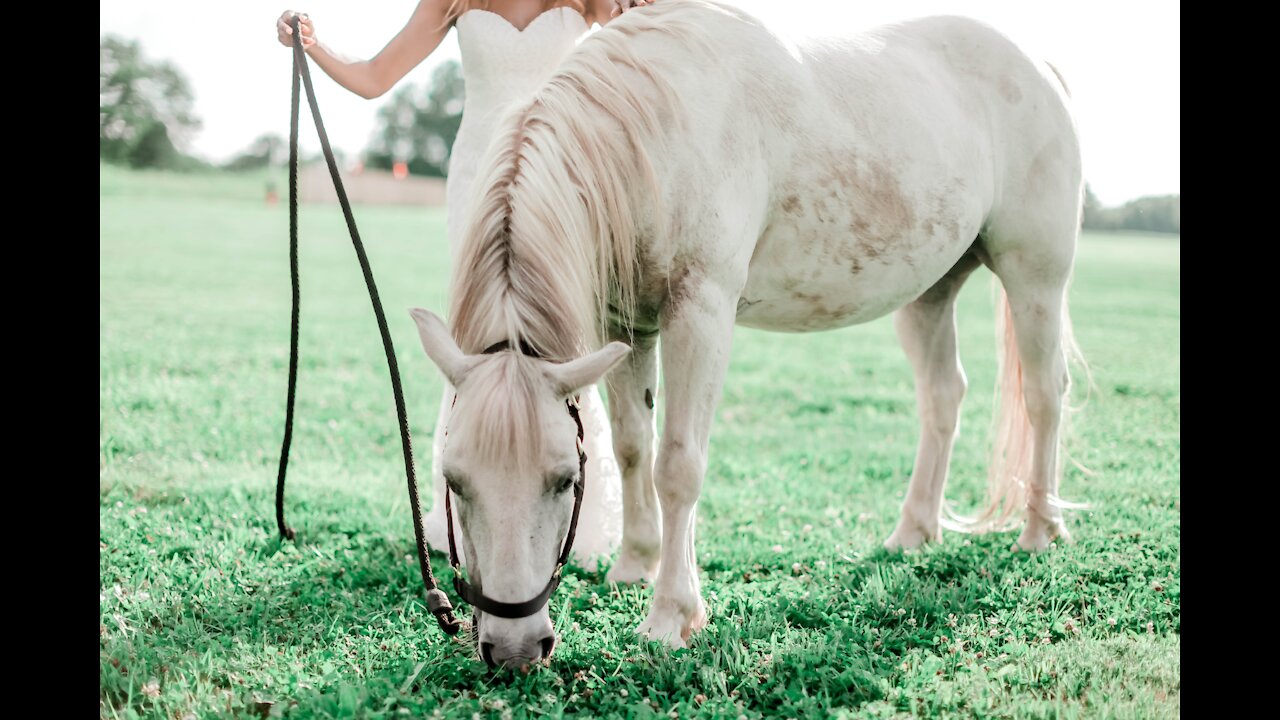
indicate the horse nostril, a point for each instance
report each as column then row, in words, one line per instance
column 486, row 652
column 548, row 644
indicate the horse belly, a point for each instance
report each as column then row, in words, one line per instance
column 807, row 276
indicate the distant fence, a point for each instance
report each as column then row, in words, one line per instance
column 369, row 187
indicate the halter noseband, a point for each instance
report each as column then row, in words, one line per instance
column 471, row 594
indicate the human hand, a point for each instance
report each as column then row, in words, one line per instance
column 284, row 29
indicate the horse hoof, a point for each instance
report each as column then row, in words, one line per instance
column 666, row 624
column 631, row 569
column 909, row 535
column 1041, row 534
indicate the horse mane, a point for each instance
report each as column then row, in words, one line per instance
column 550, row 247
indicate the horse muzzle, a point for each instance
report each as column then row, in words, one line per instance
column 515, row 643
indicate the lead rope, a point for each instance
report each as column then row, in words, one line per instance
column 437, row 602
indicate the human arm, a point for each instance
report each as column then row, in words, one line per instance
column 375, row 76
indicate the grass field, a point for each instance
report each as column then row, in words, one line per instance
column 205, row 613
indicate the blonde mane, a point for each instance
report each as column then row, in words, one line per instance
column 567, row 191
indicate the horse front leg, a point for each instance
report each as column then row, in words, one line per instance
column 632, row 386
column 696, row 338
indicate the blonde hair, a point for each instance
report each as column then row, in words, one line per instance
column 458, row 7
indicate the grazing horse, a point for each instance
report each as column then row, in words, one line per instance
column 686, row 170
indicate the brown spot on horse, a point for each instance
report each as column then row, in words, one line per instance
column 1009, row 91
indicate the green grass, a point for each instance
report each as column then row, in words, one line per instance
column 205, row 613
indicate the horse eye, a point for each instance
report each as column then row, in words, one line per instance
column 566, row 483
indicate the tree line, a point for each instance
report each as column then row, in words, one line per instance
column 1154, row 213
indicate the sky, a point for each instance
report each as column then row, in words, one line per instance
column 1121, row 59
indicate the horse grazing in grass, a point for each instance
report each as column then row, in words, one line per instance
column 686, row 170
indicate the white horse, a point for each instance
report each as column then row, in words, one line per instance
column 686, row 170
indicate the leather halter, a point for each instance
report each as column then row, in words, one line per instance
column 473, row 595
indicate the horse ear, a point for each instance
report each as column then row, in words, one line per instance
column 440, row 347
column 568, row 378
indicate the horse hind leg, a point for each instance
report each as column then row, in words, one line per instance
column 927, row 330
column 1026, row 465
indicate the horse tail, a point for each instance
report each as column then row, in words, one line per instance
column 1013, row 442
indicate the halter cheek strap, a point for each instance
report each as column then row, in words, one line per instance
column 473, row 595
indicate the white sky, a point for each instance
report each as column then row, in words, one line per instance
column 1121, row 59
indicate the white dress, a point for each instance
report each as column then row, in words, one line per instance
column 502, row 65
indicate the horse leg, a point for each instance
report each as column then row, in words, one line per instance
column 1035, row 306
column 696, row 338
column 632, row 386
column 1037, row 313
column 927, row 330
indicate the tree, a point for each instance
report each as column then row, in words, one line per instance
column 141, row 101
column 268, row 150
column 154, row 149
column 418, row 125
